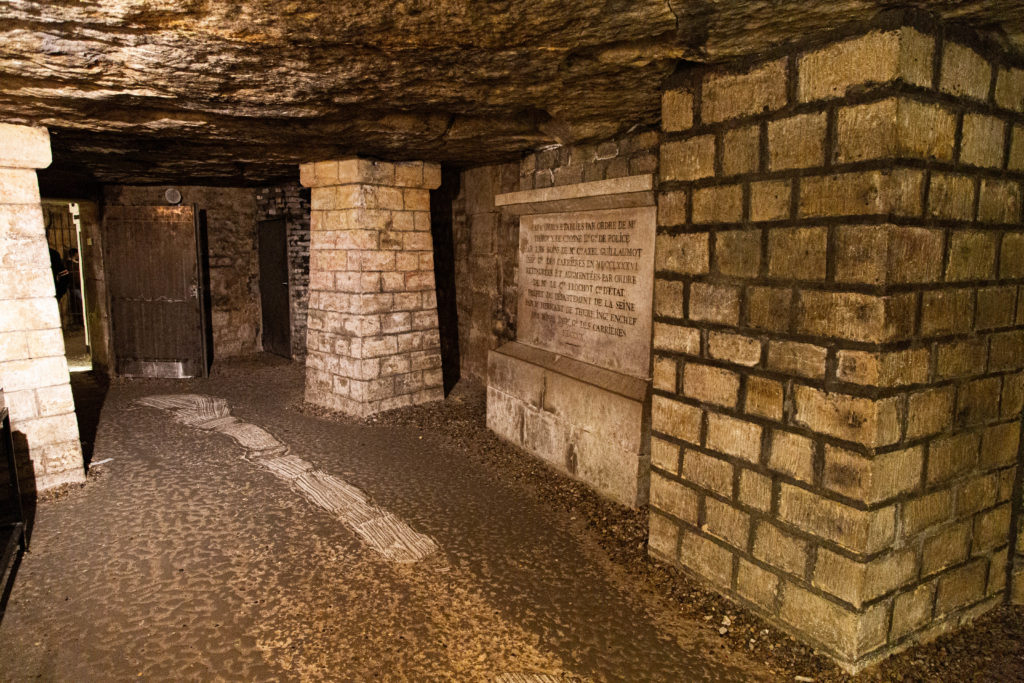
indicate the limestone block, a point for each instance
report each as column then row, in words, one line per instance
column 734, row 348
column 23, row 147
column 755, row 490
column 872, row 480
column 761, row 89
column 676, row 110
column 738, row 252
column 860, row 582
column 710, row 560
column 741, row 150
column 710, row 384
column 862, row 193
column 857, row 317
column 796, row 142
column 999, row 201
column 708, row 472
column 912, row 610
column 1010, row 89
column 718, row 204
column 764, row 397
column 964, row 73
column 792, row 455
column 870, row 422
column 982, row 143
column 951, row 196
column 714, row 303
column 926, row 511
column 665, row 455
column 663, row 537
column 687, row 254
column 779, row 549
column 858, row 531
column 843, row 631
column 757, row 585
column 961, row 587
column 726, row 522
column 796, row 358
column 734, row 437
column 770, row 200
column 690, row 159
column 895, row 128
column 878, row 57
column 620, row 474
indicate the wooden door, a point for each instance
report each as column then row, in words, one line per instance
column 152, row 267
column 273, row 246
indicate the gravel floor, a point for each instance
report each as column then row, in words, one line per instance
column 180, row 559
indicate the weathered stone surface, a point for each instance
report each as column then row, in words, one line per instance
column 248, row 90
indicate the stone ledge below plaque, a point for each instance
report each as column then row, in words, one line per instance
column 583, row 420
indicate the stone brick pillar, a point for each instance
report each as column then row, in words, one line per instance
column 372, row 339
column 839, row 336
column 33, row 370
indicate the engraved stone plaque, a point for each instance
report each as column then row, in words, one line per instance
column 585, row 281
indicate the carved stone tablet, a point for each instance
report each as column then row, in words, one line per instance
column 585, row 282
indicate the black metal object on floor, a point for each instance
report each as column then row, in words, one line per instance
column 12, row 521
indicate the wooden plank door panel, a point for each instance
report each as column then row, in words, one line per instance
column 154, row 284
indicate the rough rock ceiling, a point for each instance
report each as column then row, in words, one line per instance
column 240, row 92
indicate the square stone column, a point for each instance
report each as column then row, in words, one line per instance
column 372, row 341
column 839, row 337
column 33, row 370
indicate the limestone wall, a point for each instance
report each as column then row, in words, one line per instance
column 486, row 247
column 487, row 241
column 632, row 154
column 291, row 202
column 234, row 268
column 838, row 335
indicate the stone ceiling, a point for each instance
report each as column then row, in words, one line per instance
column 207, row 91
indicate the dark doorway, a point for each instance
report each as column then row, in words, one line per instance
column 273, row 245
column 444, row 273
column 156, row 297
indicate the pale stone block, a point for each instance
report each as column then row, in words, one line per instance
column 761, row 89
column 615, row 418
column 616, row 472
column 843, row 631
column 877, row 57
column 18, row 186
column 858, row 531
column 16, row 375
column 22, row 404
column 965, row 73
column 859, row 582
column 23, row 147
column 20, row 221
column 55, row 400
column 48, row 430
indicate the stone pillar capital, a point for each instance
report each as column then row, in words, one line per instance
column 359, row 171
column 24, row 147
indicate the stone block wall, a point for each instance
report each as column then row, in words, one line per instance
column 290, row 202
column 839, row 335
column 486, row 249
column 372, row 340
column 33, row 371
column 487, row 241
column 234, row 267
column 635, row 153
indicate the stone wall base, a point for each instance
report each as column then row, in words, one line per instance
column 581, row 419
